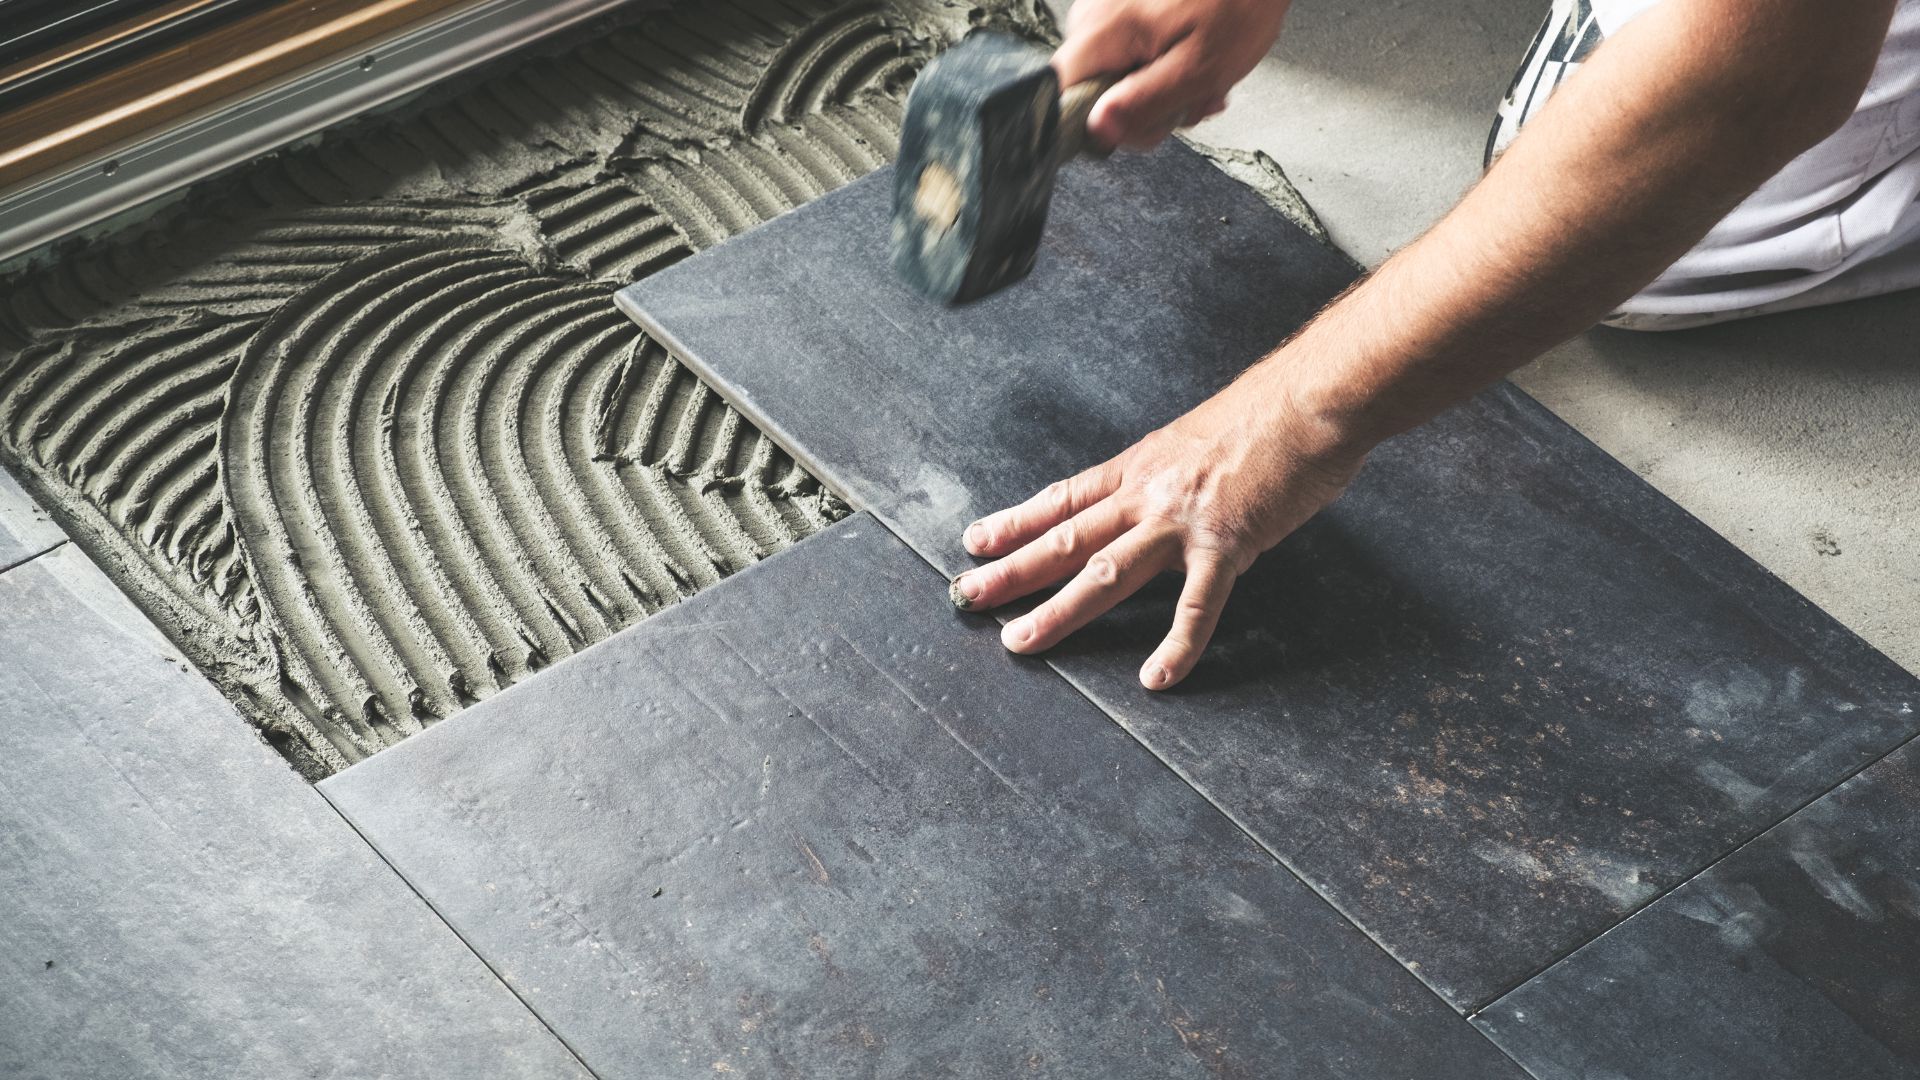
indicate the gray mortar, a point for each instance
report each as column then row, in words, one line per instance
column 1260, row 172
column 358, row 424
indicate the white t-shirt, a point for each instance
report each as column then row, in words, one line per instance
column 1851, row 199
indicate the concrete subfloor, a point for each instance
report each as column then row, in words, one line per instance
column 1792, row 435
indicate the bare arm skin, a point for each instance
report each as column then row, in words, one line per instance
column 1668, row 126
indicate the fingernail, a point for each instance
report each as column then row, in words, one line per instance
column 1155, row 677
column 963, row 591
column 976, row 537
column 1017, row 633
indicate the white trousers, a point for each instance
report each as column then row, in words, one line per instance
column 1839, row 222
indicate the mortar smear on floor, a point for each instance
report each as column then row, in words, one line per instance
column 359, row 425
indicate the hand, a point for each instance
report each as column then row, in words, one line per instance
column 1183, row 55
column 1206, row 495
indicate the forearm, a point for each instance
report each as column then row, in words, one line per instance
column 1667, row 127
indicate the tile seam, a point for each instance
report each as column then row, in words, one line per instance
column 1235, row 822
column 829, row 476
column 1742, row 845
column 24, row 560
column 441, row 918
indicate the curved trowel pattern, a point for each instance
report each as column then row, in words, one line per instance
column 414, row 456
column 360, row 426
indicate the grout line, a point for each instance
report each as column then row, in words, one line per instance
column 781, row 437
column 1469, row 1012
column 458, row 936
column 56, row 545
column 1281, row 862
column 1284, row 862
column 1742, row 845
column 748, row 408
column 1454, row 1010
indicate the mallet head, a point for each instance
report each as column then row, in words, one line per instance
column 978, row 153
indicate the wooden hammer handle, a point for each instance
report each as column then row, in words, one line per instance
column 1076, row 103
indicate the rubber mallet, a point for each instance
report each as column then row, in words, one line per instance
column 987, row 127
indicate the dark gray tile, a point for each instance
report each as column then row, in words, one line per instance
column 1796, row 958
column 1502, row 695
column 1494, row 700
column 1158, row 275
column 814, row 823
column 175, row 902
column 25, row 529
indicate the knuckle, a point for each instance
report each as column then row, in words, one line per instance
column 1002, row 574
column 1223, row 564
column 1190, row 612
column 1063, row 539
column 1103, row 570
column 1059, row 495
column 1217, row 537
column 1167, row 509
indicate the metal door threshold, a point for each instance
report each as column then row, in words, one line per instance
column 360, row 79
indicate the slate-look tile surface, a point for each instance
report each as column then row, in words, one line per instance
column 175, row 902
column 1495, row 699
column 1801, row 951
column 1158, row 276
column 25, row 529
column 813, row 823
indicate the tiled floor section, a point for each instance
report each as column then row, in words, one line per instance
column 814, row 823
column 175, row 902
column 356, row 423
column 25, row 529
column 1801, row 952
column 1157, row 275
column 1499, row 697
column 151, row 932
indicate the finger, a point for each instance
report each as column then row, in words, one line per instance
column 1055, row 556
column 997, row 534
column 1212, row 108
column 1149, row 139
column 1114, row 573
column 1107, row 46
column 1145, row 138
column 1189, row 119
column 1202, row 599
column 1153, row 99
